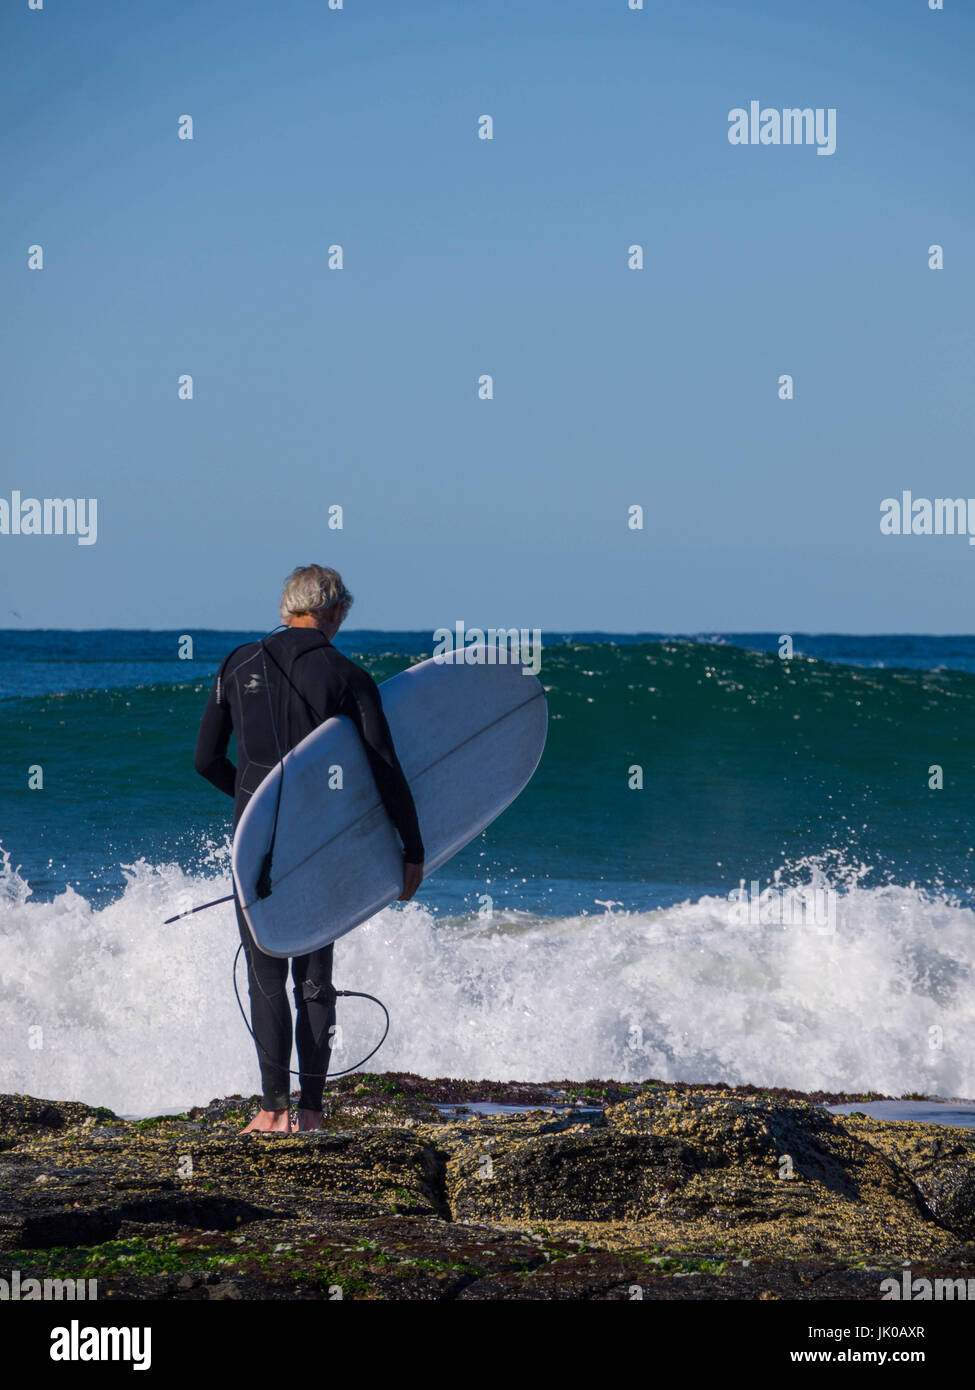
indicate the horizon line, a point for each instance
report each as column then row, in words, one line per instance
column 568, row 632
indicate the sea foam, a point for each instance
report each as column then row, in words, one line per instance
column 108, row 1006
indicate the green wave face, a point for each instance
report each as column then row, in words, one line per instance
column 748, row 763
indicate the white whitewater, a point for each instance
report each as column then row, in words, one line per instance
column 110, row 1007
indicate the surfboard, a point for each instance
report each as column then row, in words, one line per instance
column 468, row 732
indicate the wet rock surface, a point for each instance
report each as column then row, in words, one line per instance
column 662, row 1192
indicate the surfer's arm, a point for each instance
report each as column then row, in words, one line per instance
column 363, row 704
column 211, row 759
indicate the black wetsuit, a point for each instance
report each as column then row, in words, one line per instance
column 309, row 682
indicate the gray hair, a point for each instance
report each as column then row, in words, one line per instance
column 310, row 588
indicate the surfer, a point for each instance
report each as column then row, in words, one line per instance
column 270, row 703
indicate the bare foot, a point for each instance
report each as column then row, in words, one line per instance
column 268, row 1122
column 307, row 1119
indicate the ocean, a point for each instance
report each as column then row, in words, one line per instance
column 677, row 769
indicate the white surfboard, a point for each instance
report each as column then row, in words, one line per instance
column 468, row 737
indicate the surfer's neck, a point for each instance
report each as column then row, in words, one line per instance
column 327, row 621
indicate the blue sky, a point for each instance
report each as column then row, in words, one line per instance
column 463, row 256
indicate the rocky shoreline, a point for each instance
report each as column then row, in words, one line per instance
column 654, row 1190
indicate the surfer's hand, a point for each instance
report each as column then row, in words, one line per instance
column 412, row 878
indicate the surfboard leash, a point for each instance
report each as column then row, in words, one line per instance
column 345, row 993
column 339, row 993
